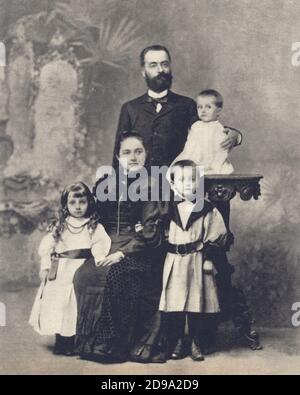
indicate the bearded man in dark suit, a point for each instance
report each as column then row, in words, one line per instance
column 161, row 116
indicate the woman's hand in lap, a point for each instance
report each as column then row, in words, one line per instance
column 111, row 259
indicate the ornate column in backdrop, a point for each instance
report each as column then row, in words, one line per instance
column 59, row 94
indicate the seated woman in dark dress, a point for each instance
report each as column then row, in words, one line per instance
column 108, row 296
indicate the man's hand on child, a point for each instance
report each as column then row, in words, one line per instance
column 232, row 139
column 111, row 259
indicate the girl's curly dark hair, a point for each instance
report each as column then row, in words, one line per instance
column 79, row 189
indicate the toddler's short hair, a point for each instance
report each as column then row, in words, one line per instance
column 215, row 94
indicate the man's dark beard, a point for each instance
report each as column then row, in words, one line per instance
column 160, row 83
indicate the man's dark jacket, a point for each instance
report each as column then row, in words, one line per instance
column 164, row 133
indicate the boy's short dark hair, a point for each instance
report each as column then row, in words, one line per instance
column 153, row 48
column 181, row 163
column 215, row 94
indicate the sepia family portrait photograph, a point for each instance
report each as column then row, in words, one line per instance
column 149, row 188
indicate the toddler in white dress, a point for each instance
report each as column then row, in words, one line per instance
column 203, row 145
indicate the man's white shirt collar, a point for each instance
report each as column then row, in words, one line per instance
column 156, row 95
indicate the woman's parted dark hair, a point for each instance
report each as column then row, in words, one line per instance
column 124, row 135
column 79, row 189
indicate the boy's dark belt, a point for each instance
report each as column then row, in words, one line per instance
column 83, row 253
column 185, row 249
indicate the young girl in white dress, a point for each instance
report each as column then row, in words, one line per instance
column 74, row 237
column 189, row 286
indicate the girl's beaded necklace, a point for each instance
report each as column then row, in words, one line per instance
column 81, row 227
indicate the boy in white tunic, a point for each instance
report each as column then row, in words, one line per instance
column 76, row 236
column 189, row 287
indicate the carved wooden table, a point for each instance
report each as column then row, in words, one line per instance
column 220, row 189
column 225, row 187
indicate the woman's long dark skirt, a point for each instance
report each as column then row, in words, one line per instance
column 108, row 302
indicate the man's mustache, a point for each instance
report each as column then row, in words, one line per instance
column 163, row 76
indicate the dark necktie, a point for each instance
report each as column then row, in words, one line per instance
column 158, row 102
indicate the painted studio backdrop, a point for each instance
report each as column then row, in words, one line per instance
column 70, row 66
